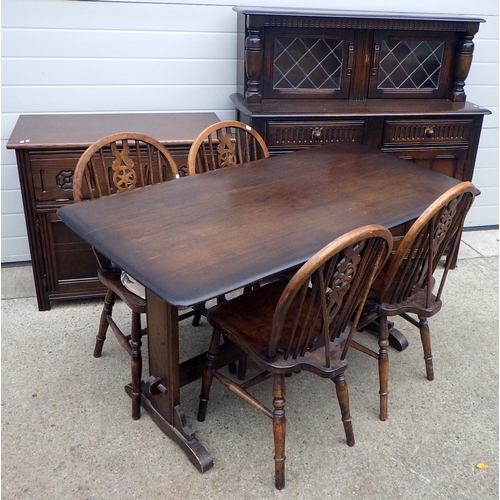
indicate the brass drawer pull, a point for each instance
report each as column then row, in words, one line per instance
column 429, row 132
column 317, row 132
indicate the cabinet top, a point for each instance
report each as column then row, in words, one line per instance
column 324, row 13
column 81, row 130
column 274, row 108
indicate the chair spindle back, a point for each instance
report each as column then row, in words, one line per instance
column 225, row 144
column 121, row 162
column 413, row 265
column 326, row 292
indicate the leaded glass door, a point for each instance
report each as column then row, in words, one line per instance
column 301, row 64
column 411, row 65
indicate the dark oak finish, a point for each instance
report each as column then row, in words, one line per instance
column 48, row 148
column 408, row 282
column 225, row 144
column 219, row 204
column 304, row 324
column 221, row 145
column 314, row 54
column 240, row 225
column 120, row 163
column 394, row 82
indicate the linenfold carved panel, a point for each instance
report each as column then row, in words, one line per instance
column 431, row 131
column 311, row 133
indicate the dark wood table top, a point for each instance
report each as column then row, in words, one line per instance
column 81, row 130
column 194, row 238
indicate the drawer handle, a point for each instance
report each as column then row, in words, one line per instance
column 376, row 59
column 429, row 132
column 317, row 132
column 350, row 59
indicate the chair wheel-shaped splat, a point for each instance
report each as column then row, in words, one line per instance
column 409, row 285
column 305, row 324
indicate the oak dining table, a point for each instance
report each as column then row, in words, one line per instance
column 198, row 237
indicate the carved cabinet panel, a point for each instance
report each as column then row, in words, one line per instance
column 310, row 133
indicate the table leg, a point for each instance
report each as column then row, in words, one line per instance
column 161, row 394
column 396, row 339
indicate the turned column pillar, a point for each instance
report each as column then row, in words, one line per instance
column 254, row 54
column 463, row 61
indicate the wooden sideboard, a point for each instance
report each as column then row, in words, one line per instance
column 394, row 82
column 47, row 150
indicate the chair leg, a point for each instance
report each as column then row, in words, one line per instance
column 425, row 335
column 136, row 365
column 231, row 366
column 206, row 381
column 221, row 299
column 279, row 430
column 109, row 302
column 196, row 317
column 383, row 366
column 343, row 397
column 242, row 368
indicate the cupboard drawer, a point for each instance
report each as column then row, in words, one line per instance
column 52, row 173
column 426, row 132
column 310, row 133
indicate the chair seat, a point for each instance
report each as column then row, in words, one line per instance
column 305, row 324
column 133, row 285
column 407, row 283
column 253, row 312
column 112, row 281
column 416, row 304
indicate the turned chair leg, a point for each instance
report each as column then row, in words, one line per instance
column 383, row 366
column 425, row 335
column 343, row 397
column 109, row 302
column 136, row 365
column 206, row 381
column 279, row 430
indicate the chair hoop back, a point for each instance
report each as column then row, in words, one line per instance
column 121, row 162
column 412, row 267
column 225, row 144
column 327, row 292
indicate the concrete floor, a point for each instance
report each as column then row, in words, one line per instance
column 67, row 434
